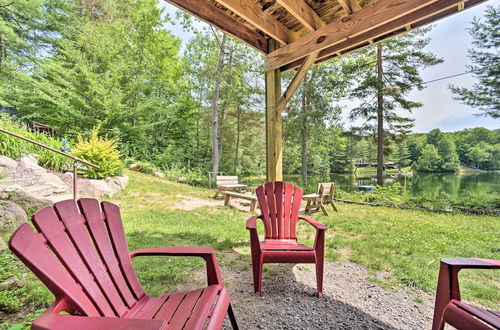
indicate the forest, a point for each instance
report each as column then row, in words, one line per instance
column 111, row 65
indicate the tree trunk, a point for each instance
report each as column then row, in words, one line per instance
column 237, row 149
column 380, row 119
column 304, row 132
column 215, row 110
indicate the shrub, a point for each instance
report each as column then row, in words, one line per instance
column 146, row 167
column 101, row 152
column 16, row 148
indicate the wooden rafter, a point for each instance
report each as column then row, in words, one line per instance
column 349, row 31
column 249, row 11
column 415, row 19
column 303, row 13
column 214, row 16
column 350, row 6
column 297, row 79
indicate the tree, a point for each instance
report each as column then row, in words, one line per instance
column 403, row 154
column 387, row 74
column 448, row 153
column 485, row 57
column 429, row 160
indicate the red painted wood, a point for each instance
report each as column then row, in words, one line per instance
column 74, row 255
column 271, row 204
column 261, row 197
column 287, row 210
column 54, row 231
column 91, row 210
column 185, row 309
column 449, row 308
column 115, row 226
column 32, row 250
column 203, row 307
column 297, row 199
column 280, row 204
column 280, row 221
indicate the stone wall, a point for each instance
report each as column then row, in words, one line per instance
column 26, row 187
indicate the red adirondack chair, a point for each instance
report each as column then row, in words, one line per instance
column 280, row 203
column 81, row 255
column 450, row 309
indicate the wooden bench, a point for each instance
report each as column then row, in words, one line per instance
column 228, row 183
column 229, row 194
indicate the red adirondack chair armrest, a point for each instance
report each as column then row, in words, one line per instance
column 448, row 286
column 252, row 222
column 213, row 272
column 314, row 223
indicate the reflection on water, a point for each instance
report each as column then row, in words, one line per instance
column 429, row 185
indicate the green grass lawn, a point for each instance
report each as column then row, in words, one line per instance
column 406, row 244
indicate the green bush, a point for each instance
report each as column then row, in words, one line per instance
column 101, row 152
column 193, row 177
column 146, row 167
column 16, row 148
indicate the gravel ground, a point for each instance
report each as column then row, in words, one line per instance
column 350, row 301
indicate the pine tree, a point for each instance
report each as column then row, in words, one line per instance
column 388, row 72
column 485, row 57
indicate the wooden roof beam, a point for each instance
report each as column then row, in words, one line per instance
column 373, row 17
column 253, row 14
column 214, row 16
column 303, row 13
column 413, row 20
column 350, row 6
column 297, row 79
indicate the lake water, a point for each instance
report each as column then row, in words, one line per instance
column 429, row 185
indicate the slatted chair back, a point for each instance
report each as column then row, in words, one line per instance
column 280, row 204
column 326, row 189
column 80, row 253
column 223, row 179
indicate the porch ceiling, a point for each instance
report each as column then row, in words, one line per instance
column 324, row 28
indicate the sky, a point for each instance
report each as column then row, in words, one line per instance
column 450, row 41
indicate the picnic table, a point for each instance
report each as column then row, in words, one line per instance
column 229, row 183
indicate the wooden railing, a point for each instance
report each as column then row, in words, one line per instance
column 76, row 160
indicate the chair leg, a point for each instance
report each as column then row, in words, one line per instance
column 319, row 276
column 307, row 207
column 232, row 318
column 325, row 212
column 257, row 276
column 334, row 207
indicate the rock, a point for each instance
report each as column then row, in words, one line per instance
column 182, row 180
column 134, row 167
column 158, row 174
column 7, row 162
column 30, row 164
column 11, row 216
column 3, row 245
column 27, row 201
column 51, row 179
column 100, row 188
column 117, row 183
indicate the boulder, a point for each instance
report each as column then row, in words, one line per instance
column 135, row 167
column 7, row 162
column 27, row 201
column 100, row 188
column 117, row 183
column 11, row 216
column 158, row 174
column 182, row 180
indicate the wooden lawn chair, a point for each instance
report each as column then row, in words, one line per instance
column 324, row 195
column 450, row 309
column 80, row 253
column 280, row 204
column 228, row 183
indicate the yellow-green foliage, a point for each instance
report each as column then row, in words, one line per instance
column 99, row 151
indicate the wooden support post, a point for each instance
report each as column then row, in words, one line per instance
column 274, row 143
